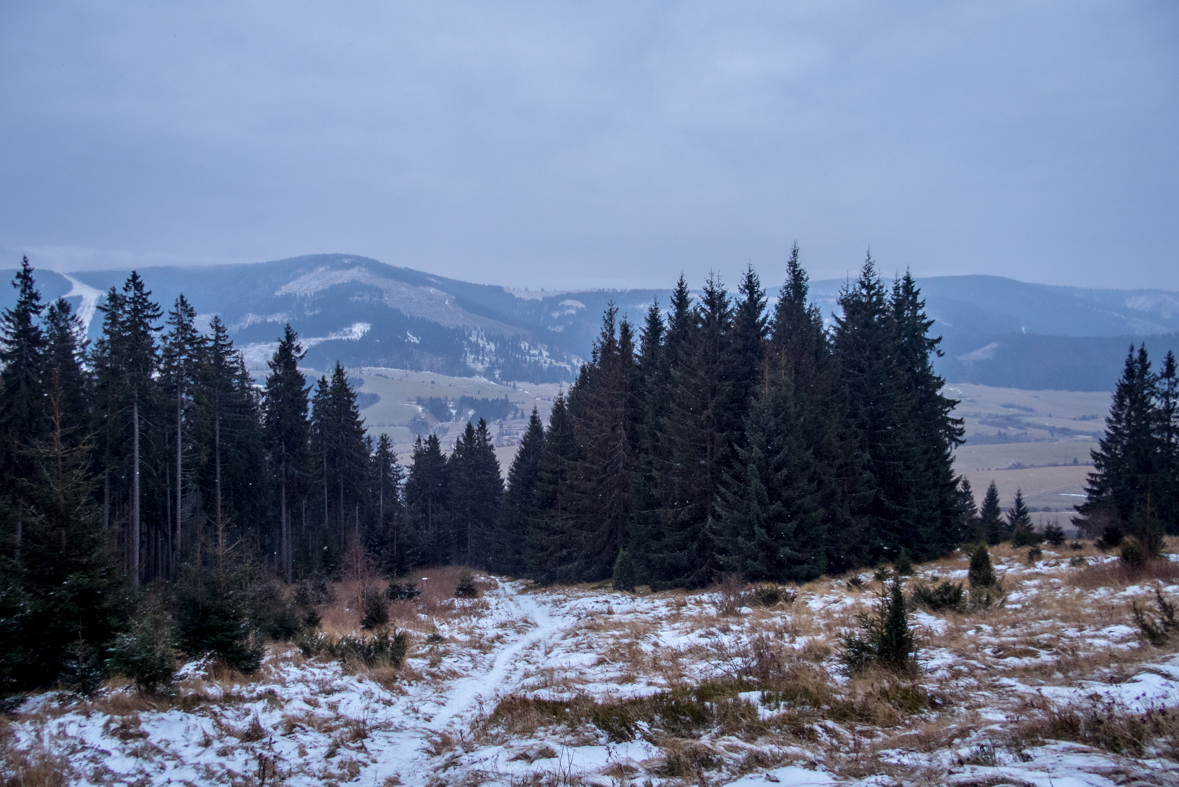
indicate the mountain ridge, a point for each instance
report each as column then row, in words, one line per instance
column 365, row 312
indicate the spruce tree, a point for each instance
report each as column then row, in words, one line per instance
column 287, row 435
column 771, row 525
column 351, row 454
column 872, row 385
column 750, row 329
column 64, row 374
column 601, row 406
column 426, row 496
column 519, row 502
column 126, row 360
column 475, row 493
column 182, row 354
column 990, row 517
column 697, row 445
column 552, row 545
column 22, row 409
column 1018, row 517
column 388, row 538
column 1166, row 500
column 233, row 473
column 1126, row 475
column 932, row 494
column 66, row 591
column 968, row 509
column 652, row 380
column 322, row 442
column 799, row 356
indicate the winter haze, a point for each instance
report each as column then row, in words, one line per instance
column 590, row 145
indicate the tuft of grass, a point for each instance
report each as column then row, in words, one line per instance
column 1104, row 725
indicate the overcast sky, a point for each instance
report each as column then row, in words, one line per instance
column 556, row 145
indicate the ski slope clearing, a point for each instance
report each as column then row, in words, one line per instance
column 571, row 686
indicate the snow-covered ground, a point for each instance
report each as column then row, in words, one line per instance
column 564, row 686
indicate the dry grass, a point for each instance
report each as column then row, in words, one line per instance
column 30, row 767
column 1117, row 574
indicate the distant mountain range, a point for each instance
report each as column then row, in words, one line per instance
column 996, row 331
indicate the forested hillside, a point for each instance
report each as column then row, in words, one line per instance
column 156, row 497
column 361, row 312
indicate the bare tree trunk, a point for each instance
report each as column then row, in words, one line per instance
column 165, row 559
column 325, row 487
column 134, row 536
column 179, row 460
column 217, row 450
column 285, row 549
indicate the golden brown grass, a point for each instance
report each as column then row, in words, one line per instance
column 31, row 767
column 1117, row 574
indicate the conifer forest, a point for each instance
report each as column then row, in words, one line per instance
column 149, row 478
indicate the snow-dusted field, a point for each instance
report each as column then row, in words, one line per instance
column 588, row 686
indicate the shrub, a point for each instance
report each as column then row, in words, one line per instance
column 144, row 654
column 383, row 649
column 985, row 588
column 1136, row 552
column 466, row 587
column 1034, row 554
column 82, row 669
column 982, row 573
column 1024, row 536
column 215, row 611
column 624, row 572
column 1054, row 534
column 398, row 591
column 1076, row 546
column 772, row 595
column 940, row 597
column 904, row 564
column 277, row 616
column 1132, row 553
column 1111, row 538
column 885, row 639
column 376, row 612
column 1157, row 631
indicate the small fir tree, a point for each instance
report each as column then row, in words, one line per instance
column 624, row 572
column 990, row 517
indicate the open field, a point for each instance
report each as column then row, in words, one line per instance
column 586, row 686
column 399, row 389
column 1061, row 428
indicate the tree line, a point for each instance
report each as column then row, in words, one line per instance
column 720, row 437
column 1134, row 487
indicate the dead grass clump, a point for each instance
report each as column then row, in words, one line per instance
column 733, row 595
column 680, row 712
column 1118, row 574
column 34, row 767
column 689, row 761
column 1103, row 725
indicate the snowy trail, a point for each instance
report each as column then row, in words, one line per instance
column 466, row 693
column 404, row 751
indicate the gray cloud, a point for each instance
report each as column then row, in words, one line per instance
column 597, row 144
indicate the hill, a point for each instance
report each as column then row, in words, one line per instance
column 997, row 331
